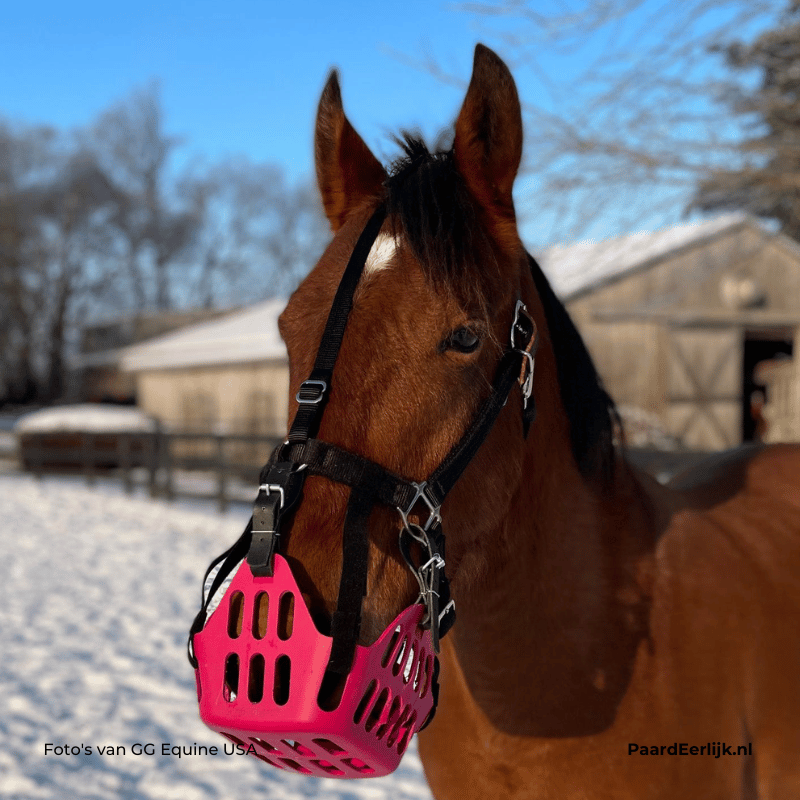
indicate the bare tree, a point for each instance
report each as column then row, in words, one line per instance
column 767, row 181
column 54, row 211
column 155, row 225
column 97, row 224
column 259, row 234
column 630, row 132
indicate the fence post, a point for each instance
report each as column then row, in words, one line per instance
column 165, row 459
column 37, row 460
column 222, row 499
column 124, row 447
column 152, row 460
column 88, row 456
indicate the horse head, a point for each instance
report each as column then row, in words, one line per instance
column 429, row 323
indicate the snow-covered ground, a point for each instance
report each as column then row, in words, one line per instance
column 97, row 591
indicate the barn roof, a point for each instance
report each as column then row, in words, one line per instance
column 577, row 268
column 241, row 337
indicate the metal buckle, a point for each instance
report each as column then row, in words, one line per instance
column 269, row 488
column 436, row 560
column 433, row 510
column 527, row 382
column 323, row 387
column 512, row 333
column 446, row 610
column 526, row 374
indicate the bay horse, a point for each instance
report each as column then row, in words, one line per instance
column 616, row 638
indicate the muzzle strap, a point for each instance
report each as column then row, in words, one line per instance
column 346, row 622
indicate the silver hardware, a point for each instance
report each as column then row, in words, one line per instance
column 436, row 560
column 323, row 386
column 527, row 382
column 520, row 306
column 425, row 575
column 269, row 488
column 526, row 375
column 451, row 604
column 433, row 510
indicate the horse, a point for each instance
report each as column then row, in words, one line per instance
column 616, row 638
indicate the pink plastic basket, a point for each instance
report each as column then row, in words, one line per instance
column 262, row 683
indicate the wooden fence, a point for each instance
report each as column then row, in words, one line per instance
column 161, row 461
column 164, row 462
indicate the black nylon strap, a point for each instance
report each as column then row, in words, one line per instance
column 229, row 559
column 329, row 461
column 346, row 622
column 449, row 471
column 281, row 488
column 309, row 411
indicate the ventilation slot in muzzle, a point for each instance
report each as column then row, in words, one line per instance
column 283, row 674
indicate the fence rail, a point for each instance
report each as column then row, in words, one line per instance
column 164, row 461
column 160, row 461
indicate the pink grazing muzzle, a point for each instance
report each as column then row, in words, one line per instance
column 262, row 664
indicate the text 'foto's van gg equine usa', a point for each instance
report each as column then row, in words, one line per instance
column 586, row 633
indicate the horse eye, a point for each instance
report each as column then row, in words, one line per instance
column 463, row 340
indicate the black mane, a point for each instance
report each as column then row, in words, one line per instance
column 438, row 219
column 428, row 201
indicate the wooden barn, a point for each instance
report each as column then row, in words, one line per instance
column 693, row 324
column 229, row 375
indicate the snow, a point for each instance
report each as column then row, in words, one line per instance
column 575, row 268
column 238, row 338
column 90, row 417
column 98, row 592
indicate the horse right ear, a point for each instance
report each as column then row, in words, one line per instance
column 347, row 172
column 488, row 142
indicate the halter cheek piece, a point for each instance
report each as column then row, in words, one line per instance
column 281, row 488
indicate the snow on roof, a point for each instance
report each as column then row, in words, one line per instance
column 241, row 337
column 575, row 268
column 89, row 417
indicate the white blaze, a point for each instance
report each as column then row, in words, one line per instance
column 380, row 254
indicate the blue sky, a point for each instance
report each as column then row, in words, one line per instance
column 236, row 77
column 245, row 76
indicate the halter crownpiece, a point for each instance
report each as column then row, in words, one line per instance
column 267, row 679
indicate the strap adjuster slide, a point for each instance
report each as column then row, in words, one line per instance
column 311, row 392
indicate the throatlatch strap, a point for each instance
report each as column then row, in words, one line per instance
column 314, row 390
column 449, row 471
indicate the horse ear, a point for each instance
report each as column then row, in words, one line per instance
column 488, row 141
column 347, row 172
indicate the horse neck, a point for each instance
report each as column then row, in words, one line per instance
column 547, row 639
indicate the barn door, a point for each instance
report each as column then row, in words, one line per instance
column 704, row 386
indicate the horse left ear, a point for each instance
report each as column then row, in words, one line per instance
column 488, row 141
column 347, row 172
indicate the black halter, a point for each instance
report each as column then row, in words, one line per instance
column 281, row 480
